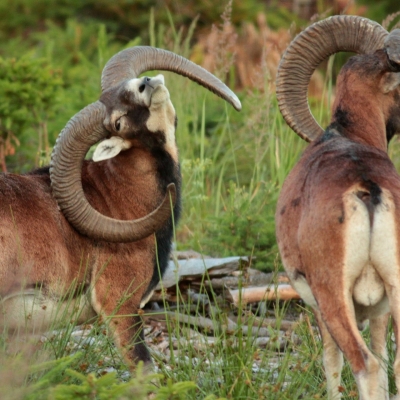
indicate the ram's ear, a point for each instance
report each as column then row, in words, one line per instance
column 390, row 81
column 110, row 148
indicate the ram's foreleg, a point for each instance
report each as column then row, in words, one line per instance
column 116, row 296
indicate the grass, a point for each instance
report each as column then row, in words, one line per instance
column 225, row 363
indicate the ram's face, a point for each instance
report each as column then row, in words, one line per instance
column 141, row 109
column 135, row 102
column 144, row 91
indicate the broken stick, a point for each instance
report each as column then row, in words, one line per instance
column 261, row 293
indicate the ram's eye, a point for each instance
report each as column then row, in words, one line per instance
column 118, row 124
column 141, row 88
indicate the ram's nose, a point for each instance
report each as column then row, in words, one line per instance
column 151, row 82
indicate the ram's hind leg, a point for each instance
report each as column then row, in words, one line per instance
column 386, row 259
column 333, row 359
column 378, row 329
column 396, row 367
column 337, row 253
column 394, row 300
column 339, row 319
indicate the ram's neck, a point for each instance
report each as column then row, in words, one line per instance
column 369, row 130
column 132, row 184
column 357, row 111
column 163, row 119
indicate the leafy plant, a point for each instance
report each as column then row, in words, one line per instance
column 245, row 225
column 106, row 387
column 29, row 90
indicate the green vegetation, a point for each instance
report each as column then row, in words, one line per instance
column 29, row 92
column 228, row 364
column 233, row 165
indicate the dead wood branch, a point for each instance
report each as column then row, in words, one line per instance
column 211, row 326
column 256, row 294
column 194, row 268
column 252, row 277
column 282, row 325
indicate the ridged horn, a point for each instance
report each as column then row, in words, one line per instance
column 307, row 51
column 80, row 133
column 130, row 63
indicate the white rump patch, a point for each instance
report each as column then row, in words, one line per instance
column 371, row 253
column 384, row 243
column 110, row 148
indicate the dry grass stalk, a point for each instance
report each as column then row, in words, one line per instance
column 389, row 19
column 256, row 51
column 221, row 45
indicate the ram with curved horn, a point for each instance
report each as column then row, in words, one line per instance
column 91, row 237
column 338, row 214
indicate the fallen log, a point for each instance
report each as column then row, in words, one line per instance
column 256, row 294
column 210, row 325
column 252, row 277
column 194, row 268
column 282, row 324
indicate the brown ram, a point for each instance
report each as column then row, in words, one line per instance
column 98, row 255
column 338, row 214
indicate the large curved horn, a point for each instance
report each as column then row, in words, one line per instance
column 307, row 51
column 84, row 129
column 130, row 63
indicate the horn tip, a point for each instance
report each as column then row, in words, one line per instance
column 237, row 105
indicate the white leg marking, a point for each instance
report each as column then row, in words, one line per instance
column 29, row 311
column 378, row 327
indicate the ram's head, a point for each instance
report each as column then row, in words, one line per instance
column 139, row 109
column 127, row 102
column 316, row 44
